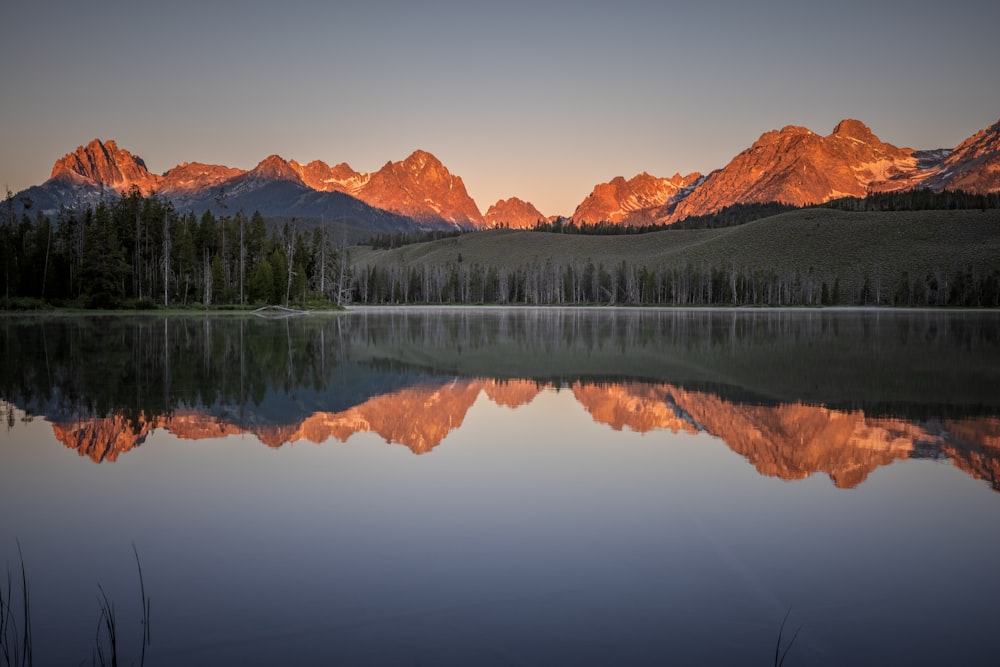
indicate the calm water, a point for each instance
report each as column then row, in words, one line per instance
column 508, row 487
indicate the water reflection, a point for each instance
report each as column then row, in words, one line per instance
column 793, row 392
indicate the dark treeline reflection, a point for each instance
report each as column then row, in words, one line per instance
column 794, row 392
column 921, row 363
column 893, row 362
column 96, row 366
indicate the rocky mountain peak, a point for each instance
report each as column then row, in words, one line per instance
column 191, row 177
column 320, row 176
column 423, row 165
column 513, row 213
column 793, row 165
column 422, row 188
column 630, row 202
column 854, row 129
column 974, row 165
column 421, row 158
column 798, row 167
column 105, row 164
column 796, row 130
column 274, row 167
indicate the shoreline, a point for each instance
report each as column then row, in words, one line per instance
column 380, row 308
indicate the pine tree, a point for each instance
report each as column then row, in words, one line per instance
column 104, row 264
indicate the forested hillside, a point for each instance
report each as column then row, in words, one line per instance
column 139, row 252
column 805, row 257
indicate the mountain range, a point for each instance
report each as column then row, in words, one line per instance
column 793, row 166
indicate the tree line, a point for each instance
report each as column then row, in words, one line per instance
column 138, row 251
column 734, row 214
column 687, row 284
column 923, row 199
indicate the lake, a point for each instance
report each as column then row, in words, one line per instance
column 436, row 486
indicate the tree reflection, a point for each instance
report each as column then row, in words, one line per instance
column 795, row 392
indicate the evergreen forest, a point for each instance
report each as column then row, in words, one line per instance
column 138, row 252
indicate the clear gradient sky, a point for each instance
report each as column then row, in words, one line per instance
column 539, row 100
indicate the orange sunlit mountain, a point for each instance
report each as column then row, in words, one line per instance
column 419, row 189
column 633, row 201
column 799, row 167
column 794, row 166
column 789, row 441
column 513, row 213
column 103, row 163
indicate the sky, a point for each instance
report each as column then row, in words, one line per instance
column 538, row 100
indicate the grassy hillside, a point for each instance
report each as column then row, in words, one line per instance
column 834, row 245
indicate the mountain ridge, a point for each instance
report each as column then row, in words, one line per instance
column 417, row 192
column 792, row 165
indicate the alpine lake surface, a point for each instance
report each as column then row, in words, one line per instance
column 488, row 486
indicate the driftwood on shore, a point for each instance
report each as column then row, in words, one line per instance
column 278, row 312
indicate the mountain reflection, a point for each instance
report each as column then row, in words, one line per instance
column 794, row 393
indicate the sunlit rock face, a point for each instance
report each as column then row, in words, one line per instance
column 422, row 188
column 513, row 213
column 320, row 176
column 105, row 164
column 190, row 178
column 974, row 165
column 419, row 187
column 798, row 167
column 793, row 165
column 632, row 202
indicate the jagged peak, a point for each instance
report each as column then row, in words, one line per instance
column 276, row 167
column 980, row 136
column 854, row 129
column 510, row 201
column 421, row 154
column 271, row 163
column 772, row 137
column 104, row 163
column 272, row 159
column 314, row 164
column 422, row 160
column 200, row 165
column 109, row 148
column 513, row 212
column 644, row 177
column 785, row 132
